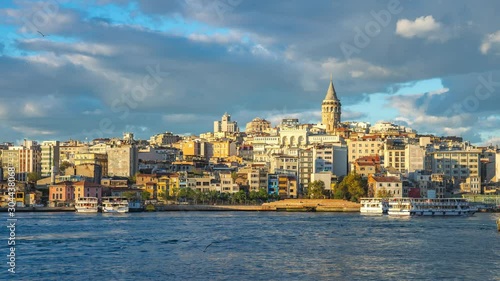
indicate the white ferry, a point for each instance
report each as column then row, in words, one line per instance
column 115, row 205
column 373, row 206
column 429, row 207
column 86, row 205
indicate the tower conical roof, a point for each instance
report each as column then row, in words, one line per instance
column 330, row 93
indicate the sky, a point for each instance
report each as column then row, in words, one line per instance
column 91, row 69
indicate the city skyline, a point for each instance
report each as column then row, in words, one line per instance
column 71, row 69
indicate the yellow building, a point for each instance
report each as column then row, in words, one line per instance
column 258, row 126
column 223, row 149
column 82, row 158
column 173, row 184
column 287, row 186
column 163, row 185
column 188, row 147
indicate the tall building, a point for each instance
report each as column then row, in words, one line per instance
column 463, row 166
column 50, row 158
column 226, row 125
column 123, row 160
column 24, row 158
column 331, row 110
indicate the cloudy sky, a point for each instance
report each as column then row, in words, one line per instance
column 88, row 69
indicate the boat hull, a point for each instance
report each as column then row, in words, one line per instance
column 87, row 210
column 430, row 207
column 115, row 209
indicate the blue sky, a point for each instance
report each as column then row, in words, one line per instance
column 109, row 66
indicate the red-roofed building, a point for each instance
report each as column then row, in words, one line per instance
column 367, row 165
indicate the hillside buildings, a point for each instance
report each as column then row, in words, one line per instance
column 282, row 160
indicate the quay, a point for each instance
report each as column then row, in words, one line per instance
column 41, row 209
column 287, row 205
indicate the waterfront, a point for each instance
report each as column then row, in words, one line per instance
column 254, row 246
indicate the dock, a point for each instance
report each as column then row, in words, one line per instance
column 286, row 205
column 41, row 209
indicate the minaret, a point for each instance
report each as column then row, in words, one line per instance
column 331, row 110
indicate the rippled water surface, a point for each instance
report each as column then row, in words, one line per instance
column 253, row 246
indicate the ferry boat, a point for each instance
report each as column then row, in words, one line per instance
column 374, row 206
column 430, row 207
column 86, row 205
column 115, row 205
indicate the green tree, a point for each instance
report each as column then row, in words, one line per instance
column 240, row 196
column 145, row 195
column 316, row 190
column 133, row 179
column 263, row 195
column 254, row 196
column 64, row 165
column 33, row 177
column 352, row 187
column 234, row 175
column 164, row 196
column 341, row 191
column 130, row 195
column 224, row 197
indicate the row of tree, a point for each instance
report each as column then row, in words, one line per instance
column 352, row 187
column 196, row 196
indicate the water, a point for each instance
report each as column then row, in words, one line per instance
column 253, row 246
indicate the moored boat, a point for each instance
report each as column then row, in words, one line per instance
column 115, row 205
column 373, row 206
column 86, row 205
column 430, row 207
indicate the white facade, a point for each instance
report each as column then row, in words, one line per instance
column 325, row 177
column 415, row 158
column 226, row 125
column 122, row 161
column 50, row 157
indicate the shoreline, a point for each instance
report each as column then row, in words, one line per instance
column 187, row 208
column 286, row 205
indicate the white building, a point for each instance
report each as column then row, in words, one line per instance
column 50, row 157
column 226, row 125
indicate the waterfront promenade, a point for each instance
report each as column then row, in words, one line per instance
column 290, row 205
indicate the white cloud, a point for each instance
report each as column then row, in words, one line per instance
column 490, row 41
column 439, row 91
column 180, row 118
column 31, row 131
column 425, row 27
column 219, row 38
column 353, row 68
column 32, row 110
column 259, row 50
column 93, row 112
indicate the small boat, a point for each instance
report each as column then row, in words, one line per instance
column 498, row 224
column 374, row 206
column 115, row 205
column 86, row 205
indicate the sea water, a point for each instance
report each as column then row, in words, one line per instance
column 253, row 246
